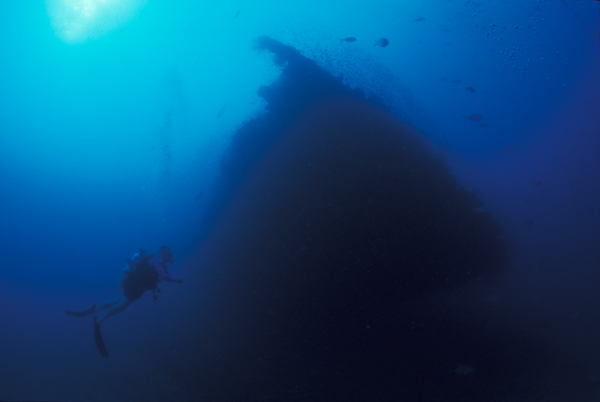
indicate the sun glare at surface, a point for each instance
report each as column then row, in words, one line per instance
column 76, row 21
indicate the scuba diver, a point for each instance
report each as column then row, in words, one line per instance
column 143, row 272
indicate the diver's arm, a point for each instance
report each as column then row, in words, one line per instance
column 158, row 266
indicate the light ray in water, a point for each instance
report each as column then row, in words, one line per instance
column 76, row 21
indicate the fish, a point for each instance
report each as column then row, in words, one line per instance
column 483, row 125
column 349, row 39
column 464, row 369
column 470, row 89
column 221, row 111
column 237, row 14
column 474, row 117
column 383, row 42
column 541, row 263
column 419, row 19
column 456, row 81
column 536, row 183
column 527, row 223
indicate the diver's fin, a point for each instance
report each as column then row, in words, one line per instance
column 98, row 339
column 82, row 313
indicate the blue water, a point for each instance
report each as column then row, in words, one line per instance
column 114, row 121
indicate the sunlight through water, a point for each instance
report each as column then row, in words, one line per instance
column 76, row 21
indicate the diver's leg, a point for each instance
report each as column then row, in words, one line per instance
column 121, row 306
column 82, row 313
column 109, row 303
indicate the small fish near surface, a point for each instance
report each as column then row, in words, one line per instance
column 383, row 42
column 470, row 89
column 474, row 117
column 419, row 19
column 349, row 39
column 509, row 150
